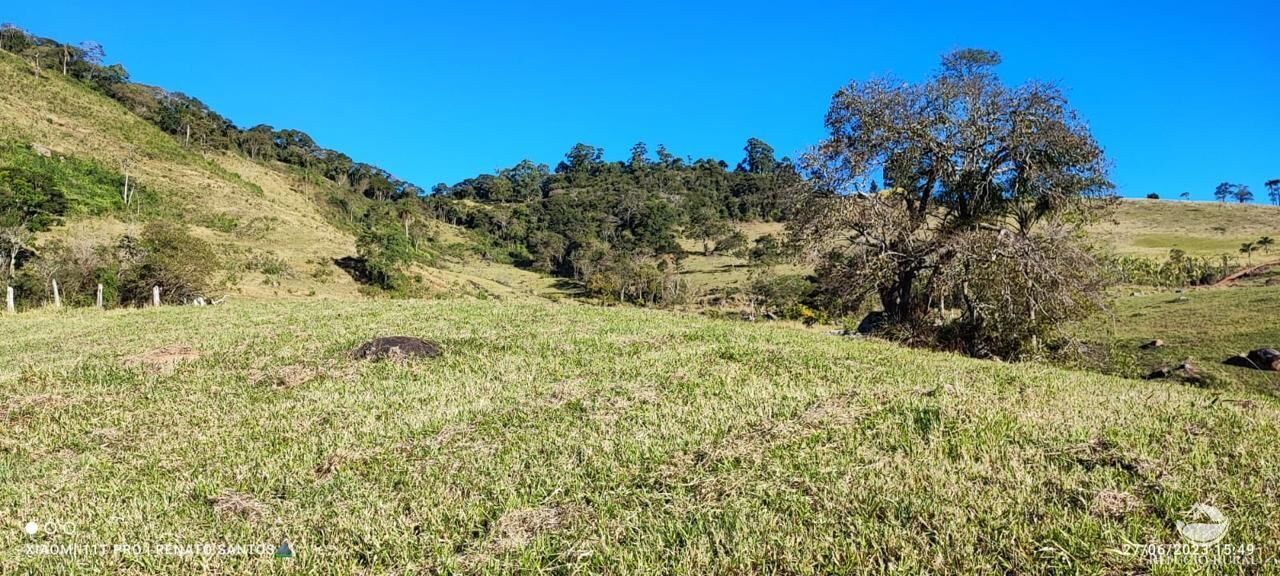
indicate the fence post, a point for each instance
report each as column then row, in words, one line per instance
column 99, row 299
column 57, row 297
column 155, row 296
column 8, row 301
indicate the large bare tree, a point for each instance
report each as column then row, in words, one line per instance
column 976, row 174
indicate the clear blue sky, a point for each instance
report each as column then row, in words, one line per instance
column 1182, row 95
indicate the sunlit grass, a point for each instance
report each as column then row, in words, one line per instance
column 579, row 439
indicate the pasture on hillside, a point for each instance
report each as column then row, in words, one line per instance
column 575, row 439
column 1203, row 326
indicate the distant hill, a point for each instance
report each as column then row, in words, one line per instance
column 254, row 212
column 1153, row 227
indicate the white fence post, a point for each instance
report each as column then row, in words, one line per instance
column 8, row 301
column 57, row 297
column 99, row 300
column 155, row 296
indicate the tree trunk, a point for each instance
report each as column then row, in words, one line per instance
column 898, row 299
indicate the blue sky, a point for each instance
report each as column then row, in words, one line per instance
column 1182, row 95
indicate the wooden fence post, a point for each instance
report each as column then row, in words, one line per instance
column 57, row 297
column 155, row 296
column 8, row 301
column 99, row 299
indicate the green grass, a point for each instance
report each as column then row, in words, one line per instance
column 89, row 187
column 1153, row 227
column 1204, row 325
column 575, row 439
column 723, row 271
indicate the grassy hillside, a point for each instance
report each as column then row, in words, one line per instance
column 266, row 220
column 245, row 208
column 590, row 440
column 1153, row 227
column 1204, row 326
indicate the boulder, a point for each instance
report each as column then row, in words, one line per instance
column 396, row 348
column 1260, row 359
column 1152, row 344
column 42, row 150
column 871, row 323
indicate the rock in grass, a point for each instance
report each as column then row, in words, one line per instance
column 396, row 348
column 872, row 323
column 1185, row 371
column 1152, row 344
column 1260, row 359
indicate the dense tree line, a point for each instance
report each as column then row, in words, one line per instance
column 614, row 225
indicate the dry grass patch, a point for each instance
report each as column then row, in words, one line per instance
column 1114, row 504
column 163, row 359
column 229, row 504
column 517, row 528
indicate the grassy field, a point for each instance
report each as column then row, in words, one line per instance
column 1153, row 227
column 1204, row 326
column 720, row 271
column 575, row 439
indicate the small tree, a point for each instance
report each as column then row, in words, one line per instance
column 1247, row 249
column 166, row 255
column 1185, row 195
column 1153, row 196
column 1242, row 194
column 982, row 183
column 1265, row 243
column 706, row 226
column 1223, row 191
column 1273, row 190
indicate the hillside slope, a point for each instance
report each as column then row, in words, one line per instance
column 71, row 119
column 1153, row 227
column 575, row 439
column 251, row 211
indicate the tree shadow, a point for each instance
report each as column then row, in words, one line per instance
column 357, row 268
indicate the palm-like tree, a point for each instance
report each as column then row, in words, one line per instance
column 1265, row 243
column 1247, row 249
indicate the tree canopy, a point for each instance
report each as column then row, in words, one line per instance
column 973, row 170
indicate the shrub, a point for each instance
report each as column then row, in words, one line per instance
column 165, row 255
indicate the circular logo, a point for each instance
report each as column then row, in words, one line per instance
column 31, row 528
column 1209, row 528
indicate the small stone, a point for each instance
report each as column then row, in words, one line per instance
column 1152, row 344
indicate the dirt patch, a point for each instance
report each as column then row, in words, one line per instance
column 1113, row 504
column 230, row 504
column 396, row 349
column 163, row 358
